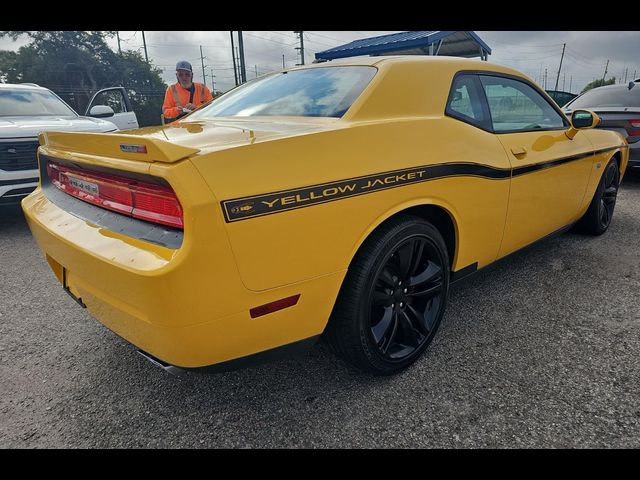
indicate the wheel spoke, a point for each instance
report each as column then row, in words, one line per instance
column 382, row 327
column 609, row 195
column 419, row 320
column 392, row 335
column 428, row 275
column 608, row 177
column 604, row 217
column 387, row 279
column 405, row 259
column 381, row 298
column 417, row 256
column 412, row 335
column 427, row 293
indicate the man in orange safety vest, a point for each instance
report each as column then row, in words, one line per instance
column 185, row 95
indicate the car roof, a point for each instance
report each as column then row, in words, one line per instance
column 463, row 63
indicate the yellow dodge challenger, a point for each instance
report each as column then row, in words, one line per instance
column 338, row 199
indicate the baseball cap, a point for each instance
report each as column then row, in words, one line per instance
column 183, row 65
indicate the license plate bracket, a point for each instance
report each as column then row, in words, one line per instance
column 67, row 288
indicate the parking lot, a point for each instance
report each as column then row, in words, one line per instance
column 539, row 351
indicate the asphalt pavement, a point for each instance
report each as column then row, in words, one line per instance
column 539, row 351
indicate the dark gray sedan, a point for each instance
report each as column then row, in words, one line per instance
column 618, row 107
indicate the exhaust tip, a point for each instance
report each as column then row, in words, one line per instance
column 172, row 369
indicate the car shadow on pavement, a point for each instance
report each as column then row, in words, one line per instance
column 11, row 219
column 631, row 178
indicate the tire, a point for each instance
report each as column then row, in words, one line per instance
column 379, row 323
column 598, row 217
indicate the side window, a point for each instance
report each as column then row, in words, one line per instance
column 465, row 101
column 113, row 99
column 516, row 106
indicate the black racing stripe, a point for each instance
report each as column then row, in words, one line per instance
column 284, row 200
column 554, row 163
column 602, row 150
column 268, row 203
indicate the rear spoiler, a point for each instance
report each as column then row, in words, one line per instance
column 117, row 145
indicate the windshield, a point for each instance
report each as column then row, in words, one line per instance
column 31, row 103
column 314, row 92
column 608, row 97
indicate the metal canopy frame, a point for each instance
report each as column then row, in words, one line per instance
column 410, row 43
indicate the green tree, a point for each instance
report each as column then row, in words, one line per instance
column 599, row 83
column 76, row 64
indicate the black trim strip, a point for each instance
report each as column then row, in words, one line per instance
column 278, row 353
column 464, row 272
column 18, row 181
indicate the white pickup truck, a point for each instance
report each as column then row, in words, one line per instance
column 28, row 109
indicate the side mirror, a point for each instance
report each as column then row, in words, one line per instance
column 101, row 111
column 582, row 120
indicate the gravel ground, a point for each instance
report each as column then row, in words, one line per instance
column 539, row 351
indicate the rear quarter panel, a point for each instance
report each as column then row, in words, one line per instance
column 289, row 246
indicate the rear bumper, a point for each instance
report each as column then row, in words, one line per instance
column 186, row 307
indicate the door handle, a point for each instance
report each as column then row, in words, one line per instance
column 518, row 151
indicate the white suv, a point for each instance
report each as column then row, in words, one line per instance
column 25, row 111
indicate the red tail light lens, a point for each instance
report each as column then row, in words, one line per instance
column 143, row 200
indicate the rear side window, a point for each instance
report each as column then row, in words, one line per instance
column 312, row 92
column 465, row 101
column 518, row 107
column 608, row 97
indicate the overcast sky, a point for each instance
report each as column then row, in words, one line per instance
column 531, row 52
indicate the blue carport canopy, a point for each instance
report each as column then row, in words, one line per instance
column 456, row 44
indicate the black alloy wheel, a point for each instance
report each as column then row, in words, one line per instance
column 611, row 183
column 393, row 297
column 598, row 217
column 405, row 298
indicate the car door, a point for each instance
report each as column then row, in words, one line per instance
column 116, row 97
column 550, row 172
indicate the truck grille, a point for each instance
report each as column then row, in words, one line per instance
column 18, row 155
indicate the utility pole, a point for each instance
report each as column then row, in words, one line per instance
column 564, row 81
column 144, row 42
column 256, row 70
column 238, row 63
column 626, row 70
column 540, row 77
column 233, row 55
column 301, row 47
column 545, row 78
column 634, row 74
column 213, row 84
column 204, row 75
column 118, row 36
column 283, row 67
column 605, row 71
column 560, row 67
column 570, row 82
column 243, row 70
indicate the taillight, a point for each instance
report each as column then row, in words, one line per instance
column 635, row 125
column 138, row 199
